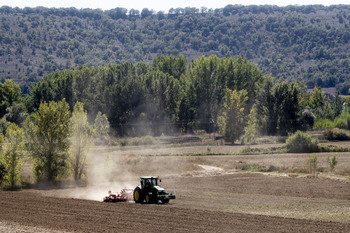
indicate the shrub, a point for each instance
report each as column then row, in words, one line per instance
column 341, row 123
column 301, row 142
column 146, row 140
column 2, row 172
column 323, row 124
column 332, row 148
column 332, row 162
column 312, row 161
column 339, row 135
column 307, row 119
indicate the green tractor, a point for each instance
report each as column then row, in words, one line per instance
column 150, row 192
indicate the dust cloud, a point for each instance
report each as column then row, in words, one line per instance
column 103, row 173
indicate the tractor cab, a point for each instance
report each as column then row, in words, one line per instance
column 148, row 182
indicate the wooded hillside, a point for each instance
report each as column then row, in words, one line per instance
column 302, row 43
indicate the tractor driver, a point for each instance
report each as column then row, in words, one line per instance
column 148, row 183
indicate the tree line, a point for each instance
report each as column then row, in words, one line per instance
column 69, row 111
column 294, row 43
column 171, row 95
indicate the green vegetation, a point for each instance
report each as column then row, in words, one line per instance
column 2, row 173
column 323, row 124
column 278, row 106
column 142, row 100
column 336, row 135
column 12, row 156
column 47, row 140
column 145, row 140
column 301, row 142
column 10, row 92
column 251, row 128
column 312, row 161
column 333, row 161
column 342, row 121
column 247, row 150
column 231, row 121
column 194, row 77
column 300, row 43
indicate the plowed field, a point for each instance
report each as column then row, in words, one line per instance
column 239, row 202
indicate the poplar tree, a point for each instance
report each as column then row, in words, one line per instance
column 231, row 121
column 47, row 140
column 12, row 156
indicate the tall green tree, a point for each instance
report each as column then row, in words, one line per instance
column 81, row 136
column 13, row 154
column 231, row 121
column 204, row 76
column 4, row 124
column 319, row 103
column 163, row 94
column 317, row 98
column 266, row 108
column 251, row 127
column 338, row 105
column 10, row 92
column 174, row 66
column 17, row 113
column 287, row 106
column 47, row 140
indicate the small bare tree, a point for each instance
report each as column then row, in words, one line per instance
column 312, row 161
column 81, row 135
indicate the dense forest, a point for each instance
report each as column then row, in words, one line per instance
column 171, row 96
column 307, row 44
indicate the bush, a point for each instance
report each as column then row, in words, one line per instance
column 146, row 140
column 332, row 162
column 323, row 124
column 337, row 135
column 2, row 172
column 301, row 142
column 307, row 119
column 341, row 123
column 312, row 162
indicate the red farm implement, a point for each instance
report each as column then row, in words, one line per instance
column 122, row 196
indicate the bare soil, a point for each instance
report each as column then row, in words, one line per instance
column 203, row 204
column 212, row 195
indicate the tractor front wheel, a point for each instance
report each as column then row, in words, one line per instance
column 148, row 199
column 138, row 196
column 165, row 201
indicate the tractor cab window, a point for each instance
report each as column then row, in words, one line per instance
column 149, row 182
column 154, row 182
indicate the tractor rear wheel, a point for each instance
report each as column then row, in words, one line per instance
column 138, row 195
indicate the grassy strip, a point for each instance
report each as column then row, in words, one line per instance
column 191, row 154
column 256, row 151
column 331, row 148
